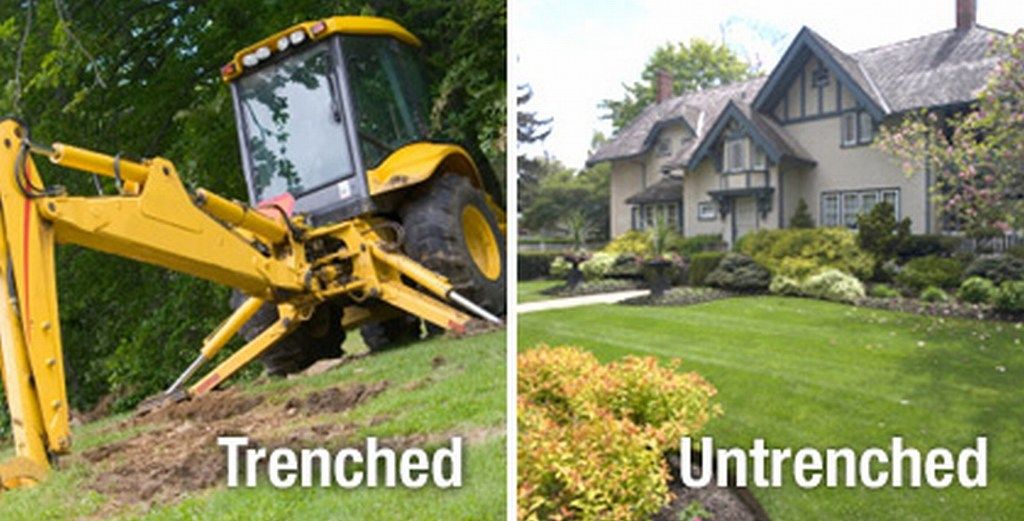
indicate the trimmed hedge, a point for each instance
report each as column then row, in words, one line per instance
column 922, row 272
column 690, row 246
column 535, row 265
column 701, row 265
column 976, row 290
column 800, row 253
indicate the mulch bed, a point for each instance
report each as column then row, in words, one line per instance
column 682, row 296
column 723, row 503
column 592, row 288
column 938, row 309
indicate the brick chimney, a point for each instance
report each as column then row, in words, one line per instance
column 966, row 14
column 663, row 88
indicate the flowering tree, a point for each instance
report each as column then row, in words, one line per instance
column 976, row 156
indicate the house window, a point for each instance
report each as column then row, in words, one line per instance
column 706, row 211
column 864, row 129
column 843, row 208
column 758, row 161
column 736, row 155
column 649, row 215
column 857, row 129
column 819, row 78
column 664, row 147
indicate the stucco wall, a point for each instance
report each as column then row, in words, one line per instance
column 854, row 168
column 696, row 185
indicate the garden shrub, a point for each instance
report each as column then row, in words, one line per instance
column 599, row 265
column 884, row 291
column 559, row 268
column 738, row 272
column 916, row 246
column 634, row 241
column 801, row 216
column 934, row 294
column 799, row 253
column 690, row 246
column 1010, row 297
column 997, row 268
column 783, row 285
column 701, row 265
column 976, row 290
column 535, row 265
column 880, row 234
column 833, row 285
column 922, row 272
column 592, row 437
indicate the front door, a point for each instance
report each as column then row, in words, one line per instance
column 744, row 217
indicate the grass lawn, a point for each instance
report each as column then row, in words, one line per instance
column 443, row 386
column 530, row 291
column 799, row 373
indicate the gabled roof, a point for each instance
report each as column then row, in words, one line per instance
column 945, row 68
column 667, row 190
column 846, row 69
column 775, row 141
column 697, row 109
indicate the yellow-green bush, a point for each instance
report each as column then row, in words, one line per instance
column 800, row 253
column 634, row 241
column 592, row 436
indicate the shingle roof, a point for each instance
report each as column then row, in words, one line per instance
column 944, row 68
column 699, row 109
column 667, row 190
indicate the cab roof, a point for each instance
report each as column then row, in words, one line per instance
column 318, row 30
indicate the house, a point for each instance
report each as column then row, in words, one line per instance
column 739, row 157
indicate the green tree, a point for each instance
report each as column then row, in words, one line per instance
column 696, row 65
column 879, row 233
column 975, row 156
column 801, row 216
column 570, row 203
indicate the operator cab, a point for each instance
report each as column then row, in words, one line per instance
column 321, row 103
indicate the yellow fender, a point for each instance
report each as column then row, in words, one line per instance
column 415, row 163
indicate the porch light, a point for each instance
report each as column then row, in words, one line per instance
column 297, row 37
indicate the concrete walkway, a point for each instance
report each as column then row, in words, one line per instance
column 585, row 300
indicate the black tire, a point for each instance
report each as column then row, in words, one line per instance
column 318, row 338
column 391, row 333
column 434, row 237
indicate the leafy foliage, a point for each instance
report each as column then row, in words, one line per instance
column 834, row 285
column 701, row 265
column 934, row 294
column 1010, row 297
column 568, row 202
column 783, row 285
column 975, row 156
column 598, row 266
column 689, row 246
column 928, row 244
column 696, row 65
column 997, row 268
column 884, row 291
column 592, row 436
column 142, row 77
column 801, row 253
column 559, row 267
column 879, row 233
column 922, row 272
column 738, row 272
column 636, row 242
column 534, row 265
column 976, row 290
column 801, row 216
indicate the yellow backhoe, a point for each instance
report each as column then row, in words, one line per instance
column 355, row 219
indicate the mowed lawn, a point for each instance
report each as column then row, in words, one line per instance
column 442, row 386
column 530, row 291
column 800, row 372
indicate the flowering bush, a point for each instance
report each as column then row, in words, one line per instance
column 559, row 268
column 976, row 290
column 592, row 436
column 599, row 265
column 833, row 285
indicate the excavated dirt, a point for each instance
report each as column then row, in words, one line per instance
column 178, row 453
